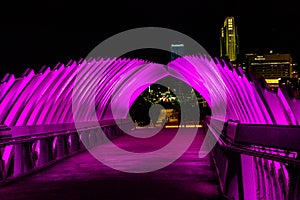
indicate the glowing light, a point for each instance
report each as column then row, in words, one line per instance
column 177, row 45
column 186, row 126
column 46, row 98
column 272, row 80
column 172, row 126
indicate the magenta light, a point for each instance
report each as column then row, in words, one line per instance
column 47, row 98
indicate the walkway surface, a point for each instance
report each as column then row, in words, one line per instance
column 84, row 177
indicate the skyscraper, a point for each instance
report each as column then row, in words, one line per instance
column 229, row 42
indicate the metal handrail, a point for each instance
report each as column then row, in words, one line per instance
column 56, row 142
column 245, row 159
column 16, row 137
column 226, row 143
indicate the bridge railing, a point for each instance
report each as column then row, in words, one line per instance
column 27, row 149
column 258, row 161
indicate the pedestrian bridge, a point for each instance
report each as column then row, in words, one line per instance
column 248, row 147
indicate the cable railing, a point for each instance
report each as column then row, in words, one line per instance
column 27, row 149
column 258, row 161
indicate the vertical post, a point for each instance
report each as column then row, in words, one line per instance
column 104, row 130
column 113, row 131
column 46, row 152
column 2, row 166
column 75, row 144
column 297, row 184
column 248, row 177
column 99, row 136
column 118, row 131
column 93, row 138
column 107, row 132
column 233, row 181
column 22, row 158
column 62, row 146
column 294, row 182
column 85, row 138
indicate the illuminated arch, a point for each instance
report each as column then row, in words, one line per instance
column 46, row 97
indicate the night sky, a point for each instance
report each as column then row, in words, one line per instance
column 40, row 33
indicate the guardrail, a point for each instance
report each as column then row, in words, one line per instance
column 27, row 149
column 258, row 161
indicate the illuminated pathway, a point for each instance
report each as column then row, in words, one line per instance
column 83, row 177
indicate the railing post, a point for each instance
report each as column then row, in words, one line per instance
column 233, row 180
column 249, row 177
column 46, row 152
column 294, row 182
column 62, row 146
column 2, row 167
column 22, row 158
column 118, row 131
column 93, row 138
column 297, row 184
column 108, row 132
column 99, row 135
column 84, row 136
column 75, row 144
column 113, row 130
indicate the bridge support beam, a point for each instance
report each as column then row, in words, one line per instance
column 22, row 158
column 107, row 132
column 2, row 166
column 93, row 138
column 247, row 173
column 85, row 138
column 62, row 146
column 294, row 182
column 233, row 181
column 75, row 144
column 46, row 152
column 297, row 185
column 100, row 137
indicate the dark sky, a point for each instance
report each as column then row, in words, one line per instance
column 37, row 33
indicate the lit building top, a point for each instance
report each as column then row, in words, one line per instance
column 229, row 44
column 177, row 50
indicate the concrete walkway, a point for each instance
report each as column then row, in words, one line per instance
column 85, row 178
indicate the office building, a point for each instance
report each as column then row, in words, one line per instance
column 272, row 66
column 229, row 41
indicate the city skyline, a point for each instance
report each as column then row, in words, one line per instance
column 37, row 34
